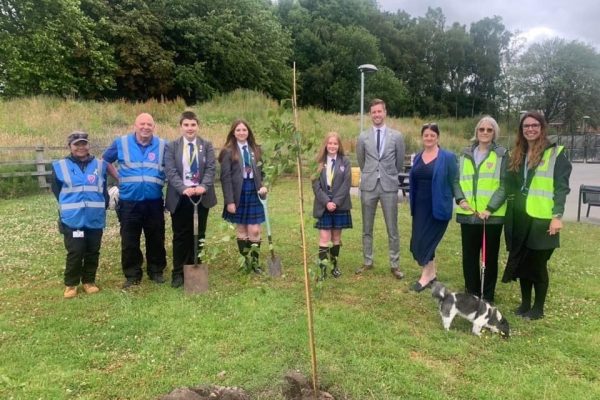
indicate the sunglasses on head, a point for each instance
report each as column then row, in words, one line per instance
column 79, row 136
column 430, row 125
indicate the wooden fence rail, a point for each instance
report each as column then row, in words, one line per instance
column 10, row 157
column 43, row 159
column 40, row 162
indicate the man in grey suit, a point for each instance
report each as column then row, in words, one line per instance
column 190, row 168
column 380, row 155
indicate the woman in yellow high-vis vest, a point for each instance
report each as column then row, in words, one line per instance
column 537, row 184
column 481, row 195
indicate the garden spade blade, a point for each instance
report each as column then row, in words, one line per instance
column 195, row 276
column 274, row 263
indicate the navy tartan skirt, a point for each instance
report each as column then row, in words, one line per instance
column 339, row 219
column 250, row 211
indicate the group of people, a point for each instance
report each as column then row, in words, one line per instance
column 524, row 192
column 145, row 163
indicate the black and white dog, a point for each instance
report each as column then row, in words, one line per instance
column 479, row 312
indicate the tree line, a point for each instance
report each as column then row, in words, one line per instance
column 142, row 49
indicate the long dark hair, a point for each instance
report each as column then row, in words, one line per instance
column 231, row 142
column 522, row 146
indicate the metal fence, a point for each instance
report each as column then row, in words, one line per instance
column 579, row 147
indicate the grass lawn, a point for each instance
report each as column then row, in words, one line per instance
column 375, row 339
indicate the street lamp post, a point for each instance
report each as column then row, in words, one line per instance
column 585, row 117
column 364, row 68
column 585, row 141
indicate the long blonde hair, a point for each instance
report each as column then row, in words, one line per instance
column 322, row 154
column 522, row 146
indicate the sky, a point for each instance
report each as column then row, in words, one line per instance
column 537, row 20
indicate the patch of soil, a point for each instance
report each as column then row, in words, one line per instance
column 295, row 387
column 209, row 392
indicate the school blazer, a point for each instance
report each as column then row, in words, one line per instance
column 174, row 171
column 232, row 176
column 340, row 188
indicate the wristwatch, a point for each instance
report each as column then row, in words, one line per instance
column 557, row 216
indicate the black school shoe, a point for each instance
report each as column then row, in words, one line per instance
column 335, row 272
column 177, row 282
column 533, row 314
column 157, row 278
column 129, row 283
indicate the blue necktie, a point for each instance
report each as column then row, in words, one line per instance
column 247, row 165
column 193, row 160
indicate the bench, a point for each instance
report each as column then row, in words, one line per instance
column 589, row 195
column 403, row 183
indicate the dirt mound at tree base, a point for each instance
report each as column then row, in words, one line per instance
column 295, row 387
column 207, row 393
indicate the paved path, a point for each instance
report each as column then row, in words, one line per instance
column 583, row 174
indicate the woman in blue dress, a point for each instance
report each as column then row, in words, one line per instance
column 431, row 193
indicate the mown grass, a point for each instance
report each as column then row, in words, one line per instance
column 375, row 339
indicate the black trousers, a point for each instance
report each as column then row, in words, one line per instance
column 82, row 256
column 182, row 222
column 147, row 216
column 472, row 240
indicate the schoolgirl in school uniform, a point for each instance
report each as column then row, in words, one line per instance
column 241, row 181
column 332, row 201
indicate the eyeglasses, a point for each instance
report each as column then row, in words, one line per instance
column 532, row 126
column 488, row 130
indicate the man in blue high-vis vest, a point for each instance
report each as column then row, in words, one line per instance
column 79, row 184
column 141, row 176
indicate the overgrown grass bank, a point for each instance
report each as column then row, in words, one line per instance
column 375, row 338
column 47, row 121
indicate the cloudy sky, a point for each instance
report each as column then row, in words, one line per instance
column 535, row 19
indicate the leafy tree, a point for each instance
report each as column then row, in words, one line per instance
column 49, row 47
column 458, row 49
column 328, row 52
column 222, row 45
column 560, row 78
column 135, row 30
column 385, row 85
column 490, row 39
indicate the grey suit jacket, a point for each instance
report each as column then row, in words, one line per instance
column 174, row 171
column 340, row 188
column 387, row 167
column 232, row 176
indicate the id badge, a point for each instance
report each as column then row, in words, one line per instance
column 189, row 176
column 78, row 234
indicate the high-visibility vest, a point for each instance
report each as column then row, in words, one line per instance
column 81, row 200
column 540, row 196
column 141, row 172
column 479, row 184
